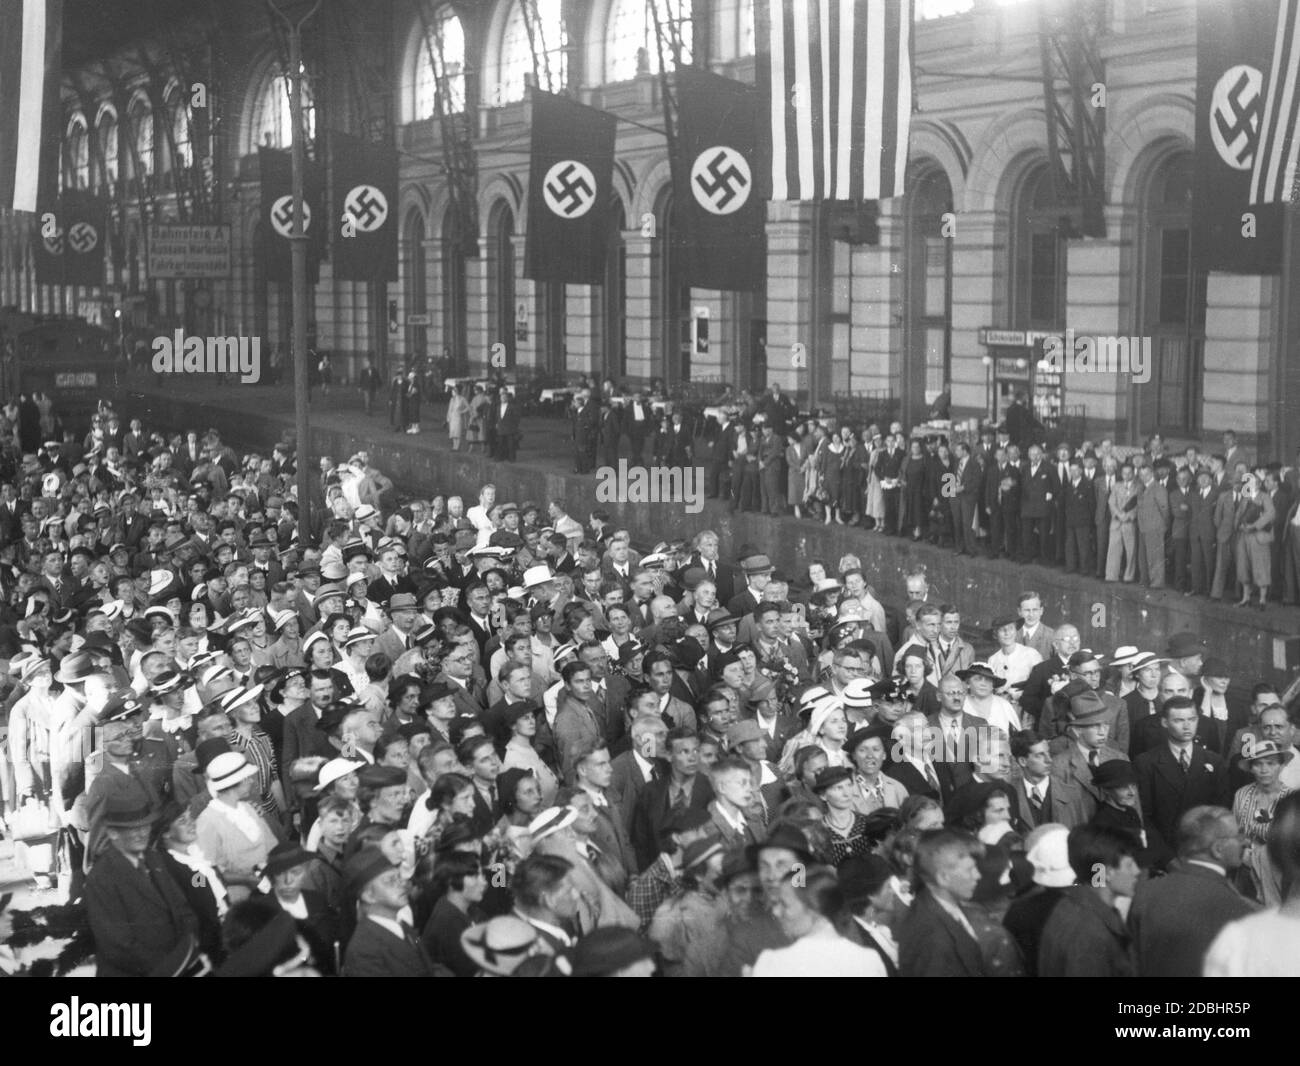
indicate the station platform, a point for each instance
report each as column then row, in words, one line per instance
column 1257, row 645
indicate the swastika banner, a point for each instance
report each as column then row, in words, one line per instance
column 363, row 177
column 716, row 183
column 569, row 191
column 276, row 168
column 1234, row 48
column 70, row 240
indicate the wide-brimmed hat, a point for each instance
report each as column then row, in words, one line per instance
column 227, row 770
column 857, row 693
column 333, row 770
column 551, row 821
column 1263, row 749
column 75, row 667
column 285, row 857
column 129, row 808
column 1087, row 708
column 1125, row 655
column 1114, row 773
column 500, row 944
column 830, row 776
column 757, row 564
column 537, row 575
column 981, row 670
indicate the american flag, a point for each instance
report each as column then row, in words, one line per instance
column 839, row 81
column 1275, row 177
column 29, row 70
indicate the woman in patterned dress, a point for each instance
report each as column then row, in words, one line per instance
column 248, row 737
column 1253, row 807
column 846, row 826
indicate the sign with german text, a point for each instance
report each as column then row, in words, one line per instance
column 182, row 251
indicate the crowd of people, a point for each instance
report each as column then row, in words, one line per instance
column 1216, row 524
column 459, row 735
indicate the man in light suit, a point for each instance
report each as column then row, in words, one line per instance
column 1177, row 775
column 1152, row 525
column 1106, row 479
column 1075, row 798
column 1033, row 634
column 1122, row 549
column 1174, row 919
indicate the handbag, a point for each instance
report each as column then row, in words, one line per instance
column 33, row 821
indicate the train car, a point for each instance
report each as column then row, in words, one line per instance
column 71, row 361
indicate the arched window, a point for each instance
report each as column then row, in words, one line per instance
column 272, row 121
column 141, row 116
column 78, row 170
column 1172, row 304
column 631, row 47
column 108, row 146
column 503, row 279
column 443, row 53
column 183, row 148
column 413, row 274
column 611, row 309
column 929, row 289
column 454, row 302
column 549, row 43
column 1038, row 263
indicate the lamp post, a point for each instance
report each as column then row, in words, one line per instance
column 298, row 262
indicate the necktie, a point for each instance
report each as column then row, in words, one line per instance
column 1092, row 758
column 932, row 779
column 679, row 798
column 1184, row 760
column 1036, row 798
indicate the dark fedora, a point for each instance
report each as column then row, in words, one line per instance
column 783, row 835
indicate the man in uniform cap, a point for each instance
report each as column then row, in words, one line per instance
column 381, row 946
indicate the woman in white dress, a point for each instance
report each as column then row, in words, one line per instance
column 806, row 909
column 983, row 701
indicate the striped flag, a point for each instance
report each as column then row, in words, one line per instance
column 1275, row 177
column 29, row 79
column 838, row 79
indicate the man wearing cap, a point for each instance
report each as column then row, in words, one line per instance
column 381, row 945
column 119, row 766
column 1075, row 798
column 1177, row 775
column 1174, row 919
column 139, row 920
column 746, row 741
column 758, row 574
column 1085, row 672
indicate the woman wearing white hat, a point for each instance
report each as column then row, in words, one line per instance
column 1253, row 806
column 231, row 833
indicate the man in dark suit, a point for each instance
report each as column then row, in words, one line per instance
column 1078, row 513
column 1200, row 529
column 732, row 782
column 1038, row 490
column 684, row 787
column 304, row 739
column 1181, row 494
column 937, row 939
column 141, row 924
column 914, row 768
column 1174, row 919
column 1032, row 777
column 381, row 946
column 1042, row 679
column 959, row 736
column 705, row 557
column 964, row 504
column 636, row 768
column 1002, row 501
column 505, row 420
column 865, row 882
column 889, row 469
column 1061, row 472
column 1177, row 775
column 724, row 447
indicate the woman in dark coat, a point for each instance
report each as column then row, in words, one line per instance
column 916, row 505
column 853, row 476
